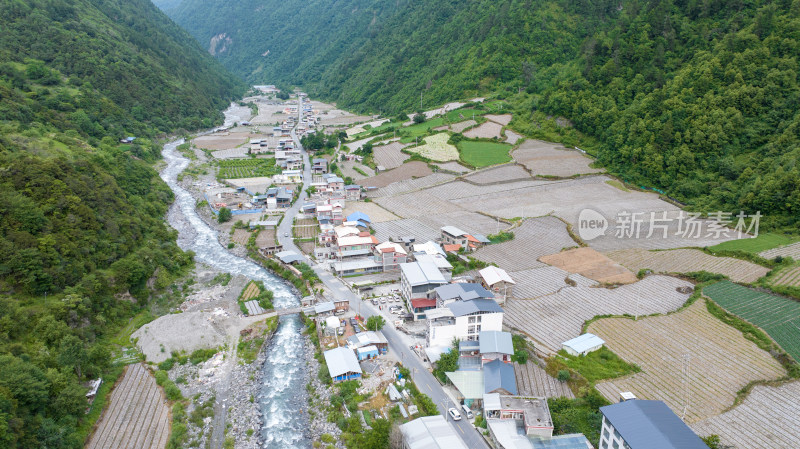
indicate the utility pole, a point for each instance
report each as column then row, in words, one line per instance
column 420, row 99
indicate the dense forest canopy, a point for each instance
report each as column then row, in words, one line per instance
column 695, row 97
column 81, row 215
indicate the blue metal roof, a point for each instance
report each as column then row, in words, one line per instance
column 461, row 308
column 651, row 425
column 498, row 374
column 463, row 291
column 359, row 216
column 495, row 341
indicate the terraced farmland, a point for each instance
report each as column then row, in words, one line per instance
column 533, row 239
column 545, row 158
column 789, row 276
column 389, row 156
column 483, row 154
column 405, row 172
column 503, row 119
column 407, row 183
column 501, row 174
column 537, row 282
column 777, row 315
column 240, row 236
column 769, row 416
column 717, row 359
column 792, row 251
column 246, row 168
column 137, row 415
column 553, row 319
column 403, row 227
column 436, row 148
column 461, row 126
column 487, row 130
column 532, row 380
column 590, row 263
column 688, row 260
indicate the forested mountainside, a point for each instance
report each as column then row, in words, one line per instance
column 695, row 97
column 81, row 215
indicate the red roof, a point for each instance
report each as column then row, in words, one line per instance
column 452, row 248
column 364, row 234
column 472, row 239
column 423, row 302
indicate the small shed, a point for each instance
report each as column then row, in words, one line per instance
column 583, row 344
column 324, row 308
column 342, row 364
column 367, row 352
column 331, row 324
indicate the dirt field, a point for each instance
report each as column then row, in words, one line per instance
column 415, row 204
column 512, row 137
column 240, row 236
column 592, row 264
column 405, row 227
column 790, row 277
column 545, row 158
column 269, row 114
column 686, row 261
column 536, row 237
column 306, row 228
column 376, row 213
column 720, row 361
column 137, row 415
column 413, row 169
column 339, row 117
column 553, row 319
column 487, row 130
column 389, row 155
column 265, row 238
column 503, row 119
column 360, row 128
column 453, row 167
column 250, row 291
column 543, row 281
column 500, row 174
column 532, row 380
column 221, row 141
column 233, row 153
column 768, row 416
column 792, row 251
column 461, row 126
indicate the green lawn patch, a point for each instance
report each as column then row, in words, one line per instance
column 456, row 115
column 420, row 129
column 779, row 316
column 482, row 154
column 763, row 242
column 247, row 168
column 599, row 365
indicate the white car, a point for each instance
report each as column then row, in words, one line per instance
column 454, row 414
column 383, row 300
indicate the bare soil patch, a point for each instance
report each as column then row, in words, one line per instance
column 536, row 237
column 485, row 131
column 552, row 159
column 503, row 119
column 413, row 169
column 240, row 236
column 686, row 261
column 591, row 264
column 390, row 155
column 221, row 141
column 375, row 212
column 461, row 126
column 503, row 173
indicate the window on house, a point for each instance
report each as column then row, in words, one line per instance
column 615, row 445
column 471, row 320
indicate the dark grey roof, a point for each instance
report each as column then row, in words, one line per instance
column 498, row 374
column 651, row 425
column 461, row 308
column 463, row 291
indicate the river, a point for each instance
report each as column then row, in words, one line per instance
column 283, row 374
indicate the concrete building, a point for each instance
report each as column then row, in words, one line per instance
column 463, row 320
column 418, row 279
column 499, row 378
column 342, row 364
column 440, row 261
column 531, row 414
column 583, row 344
column 496, row 279
column 641, row 424
column 430, row 432
column 495, row 345
column 369, row 338
column 462, row 291
column 390, row 255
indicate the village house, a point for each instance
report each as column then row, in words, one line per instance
column 461, row 291
column 495, row 345
column 644, row 424
column 342, row 364
column 352, row 192
column 452, row 235
column 462, row 320
column 319, row 166
column 352, row 242
column 369, row 338
column 418, row 279
column 360, row 220
column 430, row 432
column 496, row 279
column 390, row 255
column 441, row 263
column 583, row 344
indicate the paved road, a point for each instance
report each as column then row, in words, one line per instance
column 419, row 373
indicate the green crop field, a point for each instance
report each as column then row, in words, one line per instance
column 777, row 315
column 482, row 154
column 761, row 243
column 420, row 129
column 463, row 114
column 247, row 168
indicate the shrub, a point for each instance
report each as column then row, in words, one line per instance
column 225, row 214
column 563, row 375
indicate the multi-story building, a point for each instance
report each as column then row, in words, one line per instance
column 463, row 320
column 641, row 424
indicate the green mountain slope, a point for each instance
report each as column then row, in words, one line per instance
column 81, row 215
column 697, row 98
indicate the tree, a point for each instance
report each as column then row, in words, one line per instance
column 419, row 118
column 375, row 323
column 72, row 353
column 224, row 215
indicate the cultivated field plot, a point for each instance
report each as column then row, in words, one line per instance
column 233, row 153
column 487, row 130
column 137, row 415
column 483, row 154
column 453, row 167
column 777, row 315
column 247, row 168
column 533, row 239
column 542, row 281
column 503, row 119
column 415, row 204
column 792, row 251
column 250, row 291
column 461, row 126
column 306, row 228
column 240, row 236
column 349, row 169
column 591, row 264
column 545, row 158
column 687, row 261
column 389, row 155
column 413, row 169
column 265, row 238
column 357, row 144
column 789, row 276
column 719, row 360
column 436, row 148
column 512, row 137
column 269, row 114
column 258, row 184
column 221, row 141
column 554, row 319
column 458, row 190
column 443, row 110
column 376, row 213
column 532, row 380
column 408, row 185
column 405, row 227
column 339, row 117
column 502, row 174
column 362, row 127
column 471, row 222
column 769, row 416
